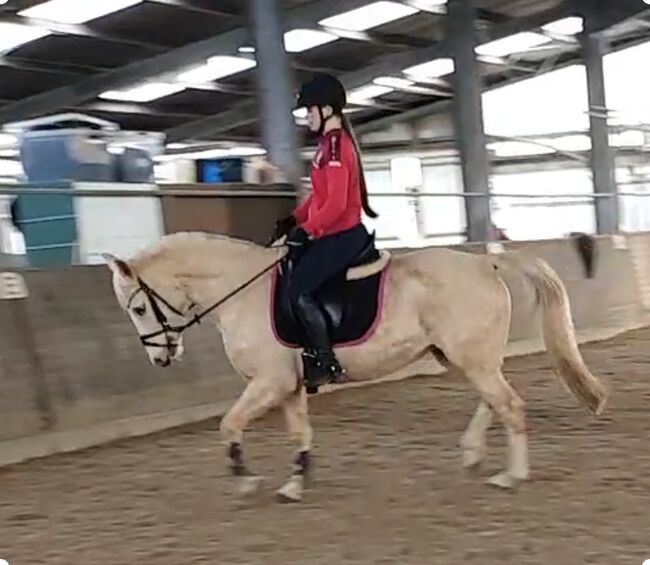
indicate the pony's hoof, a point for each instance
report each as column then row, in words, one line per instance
column 292, row 490
column 248, row 486
column 472, row 458
column 504, row 481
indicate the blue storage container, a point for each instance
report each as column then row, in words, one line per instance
column 135, row 166
column 66, row 155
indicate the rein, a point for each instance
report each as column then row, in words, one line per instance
column 155, row 298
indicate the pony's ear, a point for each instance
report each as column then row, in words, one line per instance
column 118, row 265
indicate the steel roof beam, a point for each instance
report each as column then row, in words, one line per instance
column 190, row 54
column 83, row 30
column 385, row 39
column 192, row 6
column 246, row 112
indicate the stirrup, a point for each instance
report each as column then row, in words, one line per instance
column 320, row 369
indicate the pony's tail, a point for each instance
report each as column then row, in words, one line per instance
column 558, row 330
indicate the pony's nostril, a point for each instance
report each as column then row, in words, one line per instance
column 162, row 362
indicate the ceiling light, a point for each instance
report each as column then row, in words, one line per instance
column 567, row 26
column 393, row 82
column 372, row 15
column 366, row 93
column 300, row 113
column 431, row 69
column 13, row 35
column 298, row 40
column 246, row 49
column 144, row 92
column 216, row 68
column 76, row 11
column 517, row 43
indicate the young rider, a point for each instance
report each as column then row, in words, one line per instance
column 325, row 232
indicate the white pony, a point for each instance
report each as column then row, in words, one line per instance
column 437, row 301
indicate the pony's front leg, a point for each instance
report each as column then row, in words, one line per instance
column 473, row 440
column 300, row 430
column 258, row 398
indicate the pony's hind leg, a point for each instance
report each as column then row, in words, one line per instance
column 498, row 394
column 257, row 399
column 300, row 430
column 473, row 442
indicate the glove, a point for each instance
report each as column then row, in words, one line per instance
column 283, row 227
column 297, row 237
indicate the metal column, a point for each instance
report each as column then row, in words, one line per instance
column 602, row 158
column 275, row 88
column 468, row 113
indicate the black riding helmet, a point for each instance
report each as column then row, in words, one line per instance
column 322, row 90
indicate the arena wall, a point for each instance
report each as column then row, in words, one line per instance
column 73, row 374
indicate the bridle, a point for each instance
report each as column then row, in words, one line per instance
column 155, row 301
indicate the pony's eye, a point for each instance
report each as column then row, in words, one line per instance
column 139, row 310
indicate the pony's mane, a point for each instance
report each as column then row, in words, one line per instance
column 184, row 242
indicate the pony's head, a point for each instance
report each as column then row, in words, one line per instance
column 158, row 308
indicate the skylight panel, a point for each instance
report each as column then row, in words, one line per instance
column 144, row 92
column 7, row 139
column 424, row 4
column 566, row 26
column 365, row 94
column 517, row 43
column 393, row 82
column 217, row 67
column 431, row 69
column 76, row 11
column 14, row 35
column 367, row 17
column 298, row 40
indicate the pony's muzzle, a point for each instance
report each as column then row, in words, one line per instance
column 162, row 360
column 171, row 352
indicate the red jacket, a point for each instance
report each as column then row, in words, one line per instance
column 335, row 202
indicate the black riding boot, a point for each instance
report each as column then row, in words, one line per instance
column 319, row 362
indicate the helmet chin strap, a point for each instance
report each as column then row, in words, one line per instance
column 323, row 120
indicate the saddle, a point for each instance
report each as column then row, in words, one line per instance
column 352, row 301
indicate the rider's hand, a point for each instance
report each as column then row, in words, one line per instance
column 283, row 227
column 297, row 237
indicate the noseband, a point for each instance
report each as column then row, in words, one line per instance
column 155, row 300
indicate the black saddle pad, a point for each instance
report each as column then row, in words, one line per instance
column 352, row 308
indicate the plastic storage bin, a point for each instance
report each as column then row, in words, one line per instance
column 66, row 155
column 135, row 166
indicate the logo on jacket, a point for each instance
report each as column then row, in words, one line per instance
column 317, row 161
